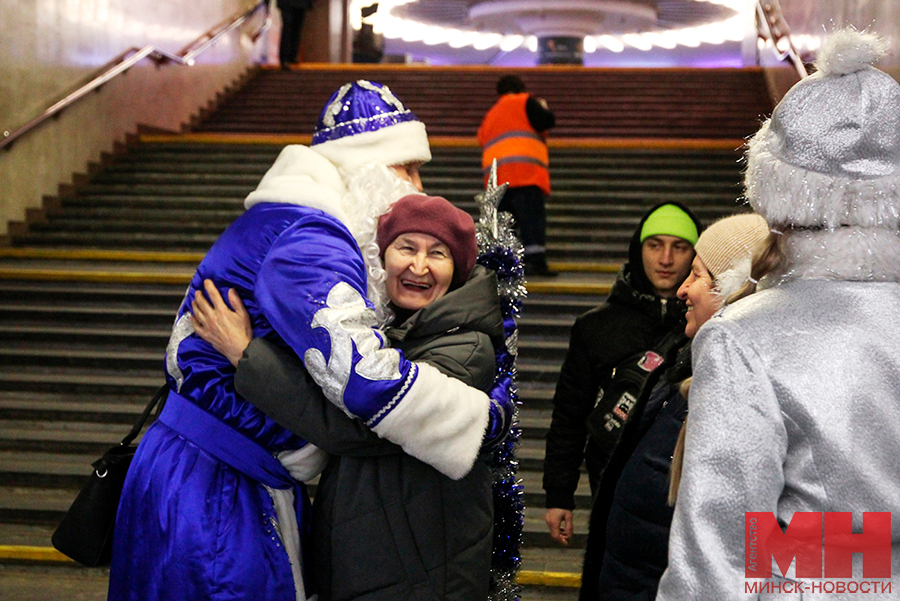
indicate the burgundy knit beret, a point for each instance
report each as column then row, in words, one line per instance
column 436, row 217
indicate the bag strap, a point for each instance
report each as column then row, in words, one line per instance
column 162, row 393
column 628, row 390
column 671, row 342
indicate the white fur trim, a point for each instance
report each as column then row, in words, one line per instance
column 734, row 279
column 302, row 177
column 847, row 253
column 787, row 195
column 440, row 421
column 847, row 51
column 305, row 463
column 397, row 144
column 289, row 534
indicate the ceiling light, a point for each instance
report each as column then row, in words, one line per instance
column 732, row 29
column 661, row 39
column 637, row 41
column 610, row 43
column 437, row 35
column 486, row 40
column 511, row 42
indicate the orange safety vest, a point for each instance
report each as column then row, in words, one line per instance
column 521, row 152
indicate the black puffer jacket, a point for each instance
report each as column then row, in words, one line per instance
column 632, row 320
column 387, row 527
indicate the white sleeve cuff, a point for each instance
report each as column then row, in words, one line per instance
column 439, row 421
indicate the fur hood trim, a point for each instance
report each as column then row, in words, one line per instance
column 786, row 195
column 846, row 253
column 398, row 144
column 302, row 177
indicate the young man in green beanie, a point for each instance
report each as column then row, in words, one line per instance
column 641, row 310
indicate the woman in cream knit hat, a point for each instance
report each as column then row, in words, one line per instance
column 795, row 401
column 721, row 271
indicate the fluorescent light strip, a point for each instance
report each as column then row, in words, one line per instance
column 392, row 27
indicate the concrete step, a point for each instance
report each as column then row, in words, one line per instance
column 34, row 571
column 189, row 224
column 85, row 313
column 166, row 241
column 110, row 295
column 39, row 488
column 694, row 104
column 24, row 356
column 122, row 409
column 145, row 335
column 92, row 427
column 61, row 437
column 92, row 199
column 65, row 379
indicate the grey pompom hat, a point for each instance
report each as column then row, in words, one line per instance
column 829, row 156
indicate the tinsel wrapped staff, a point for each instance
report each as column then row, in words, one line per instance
column 501, row 250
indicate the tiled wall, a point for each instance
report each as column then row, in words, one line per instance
column 48, row 47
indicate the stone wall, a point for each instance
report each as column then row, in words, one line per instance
column 49, row 47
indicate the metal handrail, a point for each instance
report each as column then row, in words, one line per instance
column 791, row 52
column 132, row 56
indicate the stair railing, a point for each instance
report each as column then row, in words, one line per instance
column 774, row 27
column 132, row 56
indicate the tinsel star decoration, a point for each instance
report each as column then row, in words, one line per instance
column 501, row 250
column 489, row 200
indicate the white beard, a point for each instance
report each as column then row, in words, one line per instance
column 371, row 190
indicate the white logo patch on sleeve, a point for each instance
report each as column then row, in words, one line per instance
column 348, row 320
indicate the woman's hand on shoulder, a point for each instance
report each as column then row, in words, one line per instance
column 229, row 332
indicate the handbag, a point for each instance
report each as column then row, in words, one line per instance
column 86, row 531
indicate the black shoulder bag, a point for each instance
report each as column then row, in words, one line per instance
column 86, row 532
column 628, row 390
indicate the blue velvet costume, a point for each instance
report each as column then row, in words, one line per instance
column 195, row 520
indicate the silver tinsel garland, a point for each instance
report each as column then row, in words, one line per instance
column 500, row 249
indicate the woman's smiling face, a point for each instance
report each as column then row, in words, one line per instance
column 419, row 270
column 699, row 293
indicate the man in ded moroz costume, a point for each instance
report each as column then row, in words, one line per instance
column 208, row 512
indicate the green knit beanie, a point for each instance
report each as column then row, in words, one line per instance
column 670, row 220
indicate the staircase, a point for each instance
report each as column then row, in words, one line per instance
column 88, row 295
column 451, row 101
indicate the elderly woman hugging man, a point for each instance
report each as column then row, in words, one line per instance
column 373, row 499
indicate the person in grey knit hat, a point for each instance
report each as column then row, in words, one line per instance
column 794, row 402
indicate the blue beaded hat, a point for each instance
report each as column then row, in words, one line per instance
column 363, row 122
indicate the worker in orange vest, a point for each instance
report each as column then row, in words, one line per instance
column 514, row 132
